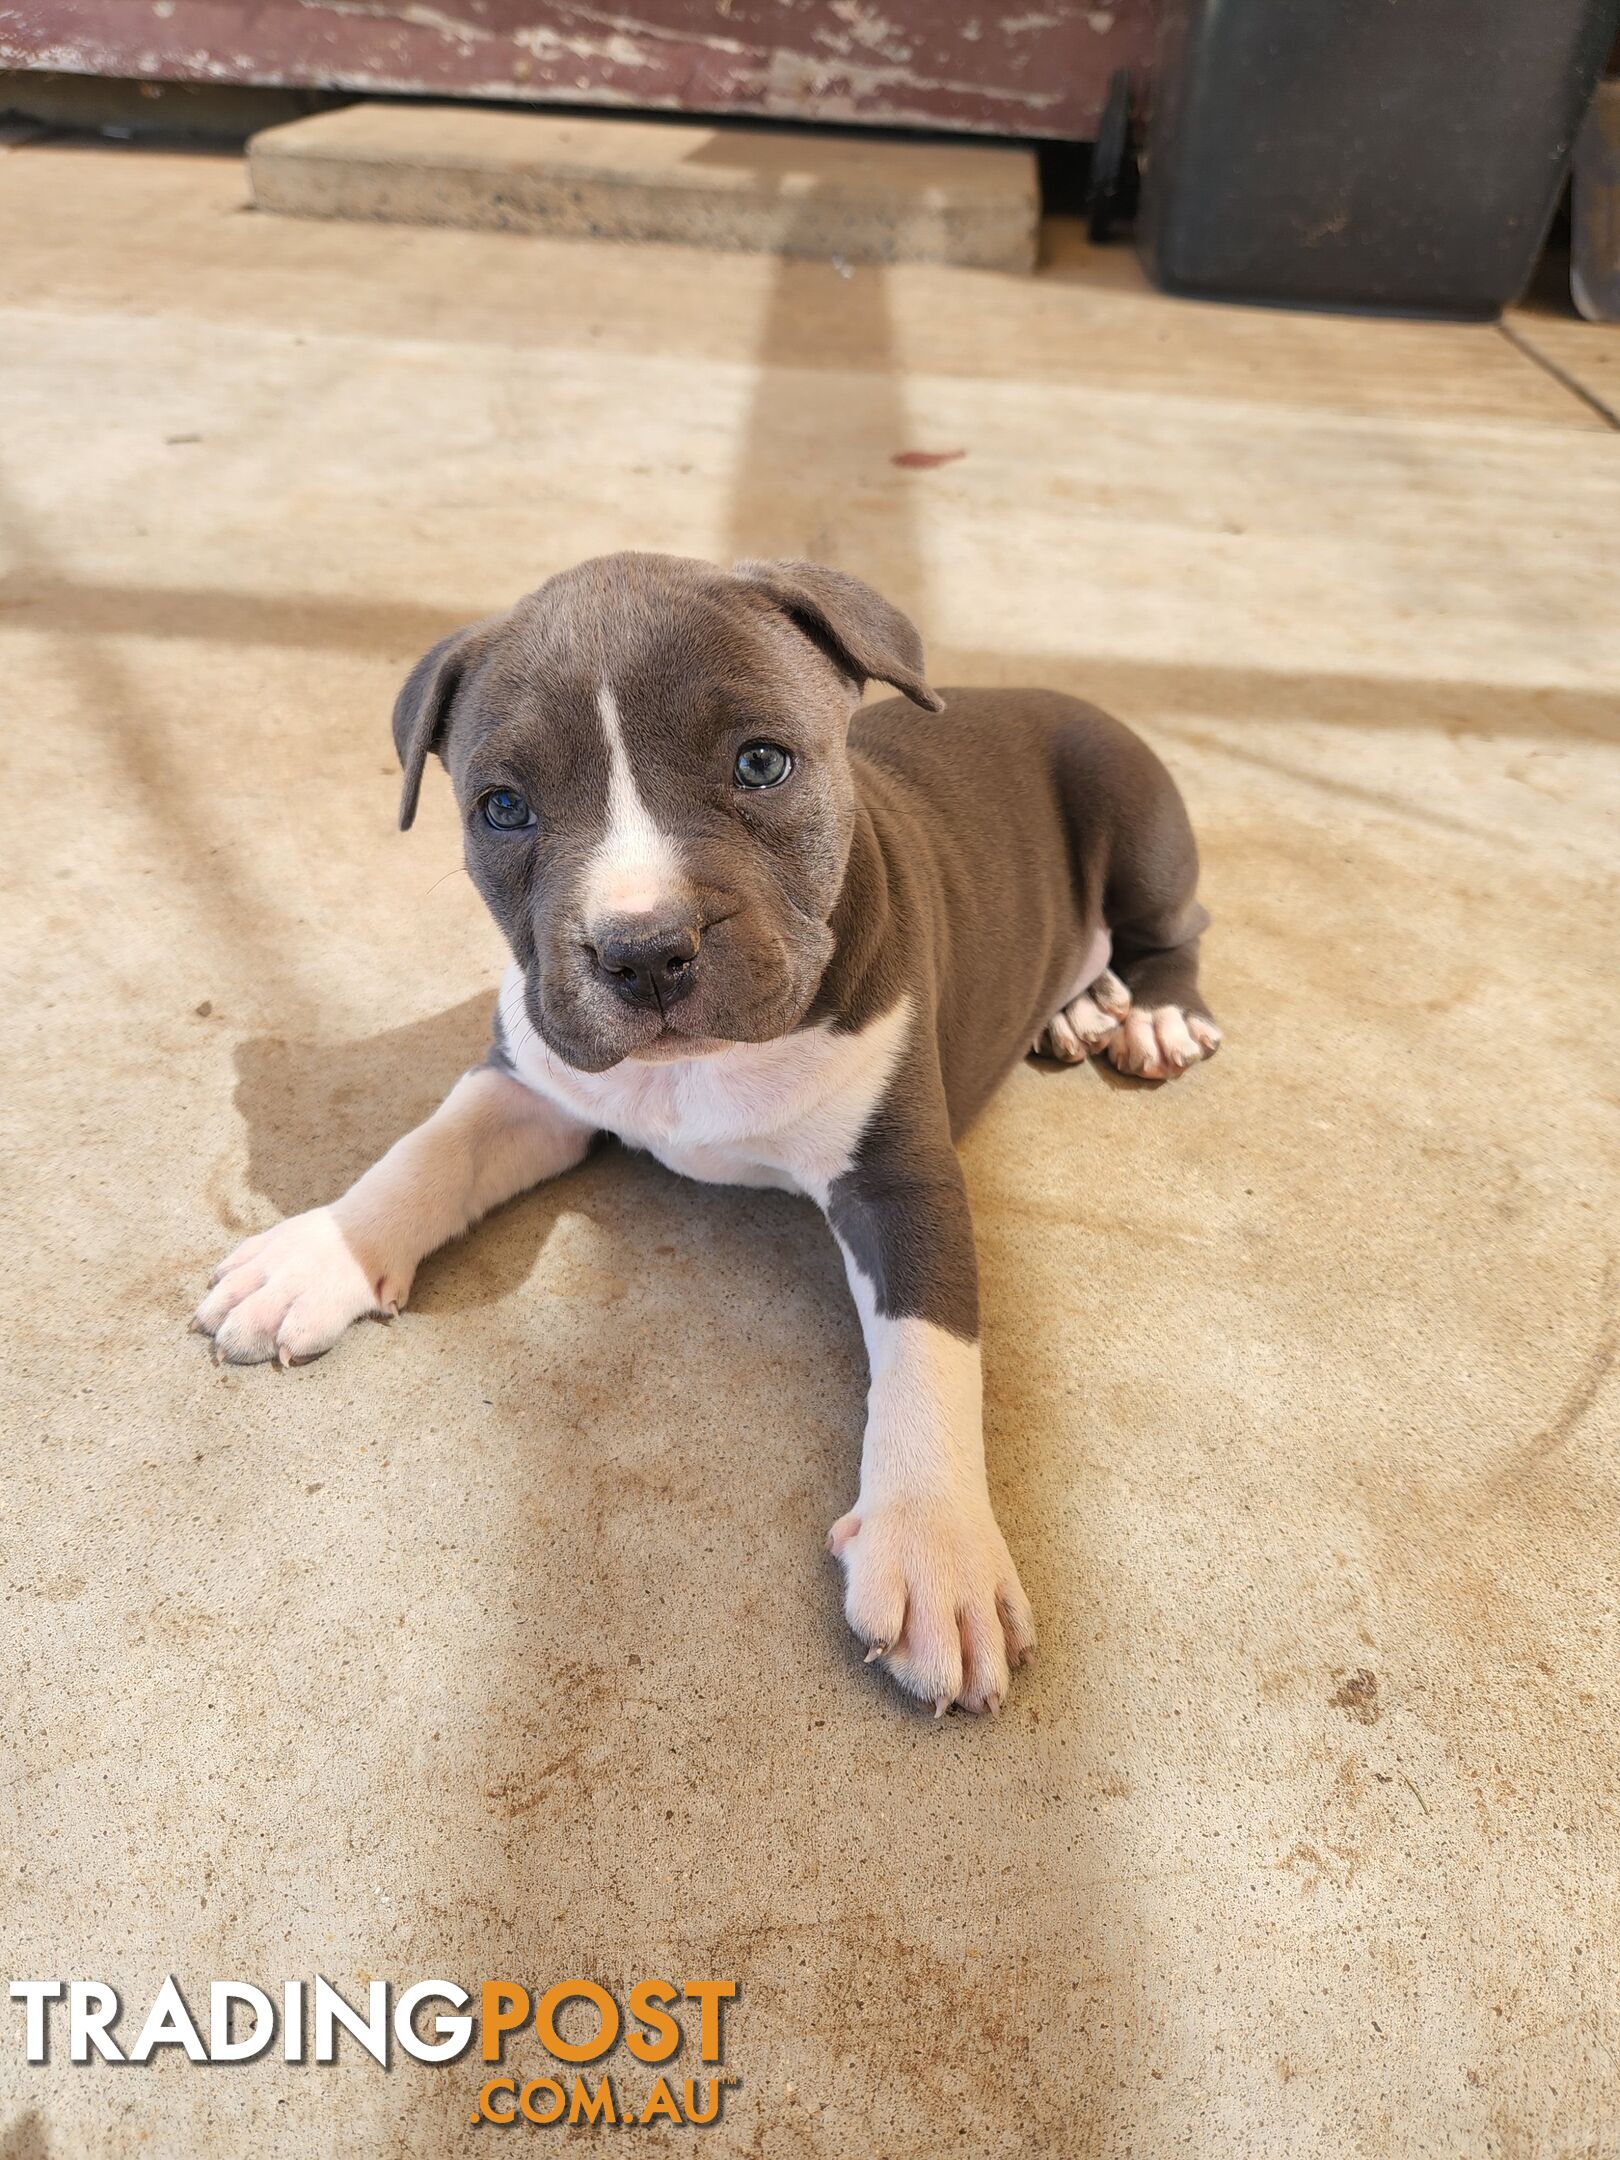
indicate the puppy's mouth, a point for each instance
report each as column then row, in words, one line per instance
column 595, row 1042
column 671, row 1042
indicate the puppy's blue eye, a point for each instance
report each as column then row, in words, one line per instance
column 762, row 764
column 507, row 811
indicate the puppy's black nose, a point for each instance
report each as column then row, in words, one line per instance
column 648, row 966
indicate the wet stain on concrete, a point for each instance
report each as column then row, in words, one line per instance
column 1357, row 1697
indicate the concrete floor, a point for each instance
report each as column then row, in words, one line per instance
column 501, row 1642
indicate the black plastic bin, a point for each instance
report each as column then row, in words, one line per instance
column 1395, row 154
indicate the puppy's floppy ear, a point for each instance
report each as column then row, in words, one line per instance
column 422, row 709
column 859, row 631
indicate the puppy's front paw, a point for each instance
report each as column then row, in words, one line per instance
column 930, row 1588
column 289, row 1293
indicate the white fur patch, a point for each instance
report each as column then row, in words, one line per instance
column 787, row 1112
column 927, row 1402
column 1098, row 954
column 636, row 866
column 929, row 1583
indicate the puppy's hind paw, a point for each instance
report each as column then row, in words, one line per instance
column 1087, row 1024
column 1158, row 1044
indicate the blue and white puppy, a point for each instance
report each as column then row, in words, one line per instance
column 775, row 937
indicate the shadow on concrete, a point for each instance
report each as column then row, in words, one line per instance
column 154, row 777
column 315, row 1114
column 767, row 518
column 1144, row 690
column 34, row 599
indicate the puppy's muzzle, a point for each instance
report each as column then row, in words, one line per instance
column 651, row 966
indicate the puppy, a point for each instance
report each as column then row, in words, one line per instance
column 775, row 937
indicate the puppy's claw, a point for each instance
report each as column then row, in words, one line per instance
column 875, row 1651
column 1204, row 1032
column 940, row 1707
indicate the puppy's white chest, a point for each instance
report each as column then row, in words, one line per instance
column 786, row 1113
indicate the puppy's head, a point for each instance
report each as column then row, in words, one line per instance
column 649, row 755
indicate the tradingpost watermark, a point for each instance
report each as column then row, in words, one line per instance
column 581, row 2053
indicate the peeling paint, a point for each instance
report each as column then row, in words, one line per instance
column 837, row 88
column 425, row 18
column 894, row 63
column 683, row 34
column 618, row 48
column 867, row 28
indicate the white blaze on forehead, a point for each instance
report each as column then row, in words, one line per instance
column 636, row 866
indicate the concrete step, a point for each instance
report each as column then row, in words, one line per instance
column 834, row 196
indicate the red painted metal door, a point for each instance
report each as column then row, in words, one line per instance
column 1039, row 67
